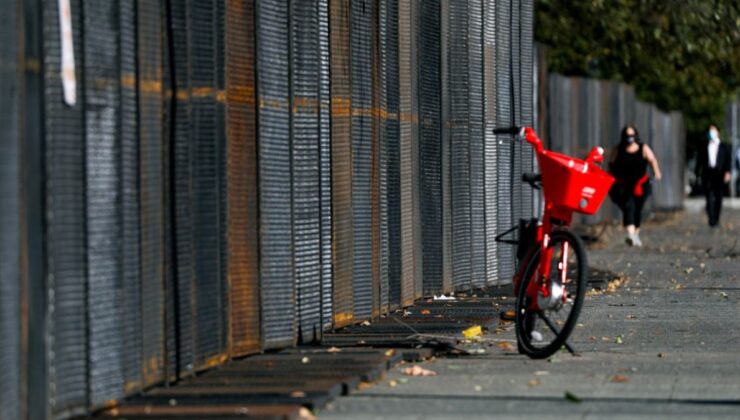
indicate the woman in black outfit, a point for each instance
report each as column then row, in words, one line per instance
column 629, row 164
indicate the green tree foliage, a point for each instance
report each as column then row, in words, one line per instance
column 679, row 54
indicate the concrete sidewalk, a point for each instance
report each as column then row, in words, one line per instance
column 665, row 344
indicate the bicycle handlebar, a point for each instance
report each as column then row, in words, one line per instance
column 507, row 130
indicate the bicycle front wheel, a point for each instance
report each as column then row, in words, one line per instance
column 543, row 331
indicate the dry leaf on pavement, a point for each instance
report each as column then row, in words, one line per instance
column 418, row 371
column 505, row 346
column 620, row 379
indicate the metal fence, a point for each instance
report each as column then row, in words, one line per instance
column 583, row 113
column 188, row 181
column 732, row 135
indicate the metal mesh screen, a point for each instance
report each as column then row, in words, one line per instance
column 390, row 139
column 130, row 218
column 325, row 163
column 151, row 188
column 430, row 145
column 65, row 218
column 341, row 163
column 10, row 239
column 184, row 234
column 103, row 176
column 526, row 95
column 205, row 182
column 505, row 157
column 361, row 103
column 276, row 256
column 306, row 167
column 407, row 137
column 458, row 84
column 490, row 147
column 241, row 149
column 475, row 138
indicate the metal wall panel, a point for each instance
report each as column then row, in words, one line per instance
column 274, row 151
column 407, row 139
column 378, row 275
column 490, row 147
column 459, row 84
column 382, row 51
column 103, row 177
column 241, row 149
column 527, row 95
column 205, row 183
column 476, row 137
column 505, row 156
column 325, row 164
column 306, row 167
column 343, row 303
column 65, row 224
column 430, row 145
column 130, row 217
column 415, row 154
column 447, row 283
column 392, row 143
column 184, row 232
column 10, row 215
column 151, row 193
column 362, row 151
column 517, row 158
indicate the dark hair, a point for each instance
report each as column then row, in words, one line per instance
column 622, row 147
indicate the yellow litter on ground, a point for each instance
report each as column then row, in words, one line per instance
column 473, row 331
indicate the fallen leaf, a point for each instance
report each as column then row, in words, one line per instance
column 402, row 380
column 390, row 352
column 474, row 331
column 533, row 382
column 334, row 350
column 541, row 373
column 365, row 323
column 364, row 385
column 305, row 360
column 425, row 312
column 173, row 402
column 478, row 388
column 418, row 371
column 688, row 270
column 505, row 346
column 298, row 394
column 620, row 379
column 618, row 339
column 392, row 384
column 305, row 414
column 606, row 339
column 724, row 295
column 572, row 397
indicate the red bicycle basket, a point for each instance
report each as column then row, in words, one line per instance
column 572, row 184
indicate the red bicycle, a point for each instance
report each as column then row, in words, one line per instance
column 550, row 282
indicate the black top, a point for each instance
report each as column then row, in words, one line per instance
column 713, row 176
column 630, row 167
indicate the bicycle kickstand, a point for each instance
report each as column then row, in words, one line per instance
column 556, row 330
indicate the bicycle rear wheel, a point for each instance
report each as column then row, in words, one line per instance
column 542, row 332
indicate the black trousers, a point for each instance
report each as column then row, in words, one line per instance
column 714, row 195
column 632, row 210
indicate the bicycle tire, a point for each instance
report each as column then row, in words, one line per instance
column 523, row 318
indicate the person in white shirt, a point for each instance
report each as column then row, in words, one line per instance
column 713, row 168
